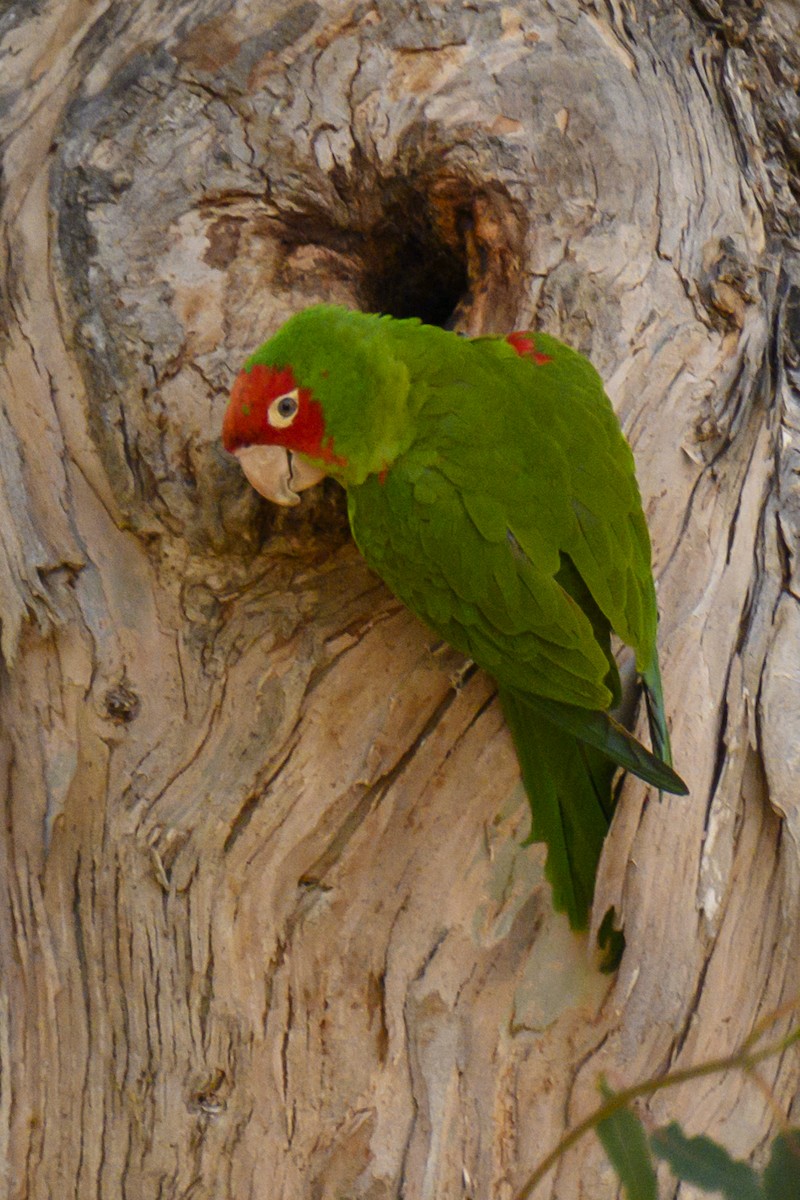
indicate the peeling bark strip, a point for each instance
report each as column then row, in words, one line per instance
column 267, row 927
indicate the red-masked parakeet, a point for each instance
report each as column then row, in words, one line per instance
column 489, row 484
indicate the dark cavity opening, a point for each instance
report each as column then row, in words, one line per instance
column 415, row 259
column 434, row 248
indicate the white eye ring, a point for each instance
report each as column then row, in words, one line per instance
column 283, row 409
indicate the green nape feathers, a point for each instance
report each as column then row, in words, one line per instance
column 490, row 486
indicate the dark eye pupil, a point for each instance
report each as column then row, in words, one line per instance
column 287, row 406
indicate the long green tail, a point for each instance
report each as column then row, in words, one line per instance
column 568, row 757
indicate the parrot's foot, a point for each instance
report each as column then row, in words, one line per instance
column 462, row 668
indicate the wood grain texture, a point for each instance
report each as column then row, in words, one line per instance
column 267, row 927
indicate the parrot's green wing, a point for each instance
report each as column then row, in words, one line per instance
column 513, row 526
column 515, row 520
column 613, row 555
column 555, row 458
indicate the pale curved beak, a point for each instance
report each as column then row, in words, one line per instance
column 276, row 473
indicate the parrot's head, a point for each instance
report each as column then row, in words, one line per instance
column 324, row 396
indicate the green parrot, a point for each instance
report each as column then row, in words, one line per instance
column 490, row 486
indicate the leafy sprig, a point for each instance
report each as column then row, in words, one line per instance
column 696, row 1160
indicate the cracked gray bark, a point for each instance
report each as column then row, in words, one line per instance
column 267, row 927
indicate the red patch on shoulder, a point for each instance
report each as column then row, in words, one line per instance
column 246, row 420
column 525, row 347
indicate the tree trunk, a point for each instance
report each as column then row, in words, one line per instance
column 268, row 927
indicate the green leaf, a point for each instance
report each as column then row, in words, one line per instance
column 782, row 1176
column 701, row 1161
column 625, row 1142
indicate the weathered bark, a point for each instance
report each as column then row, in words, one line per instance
column 267, row 927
